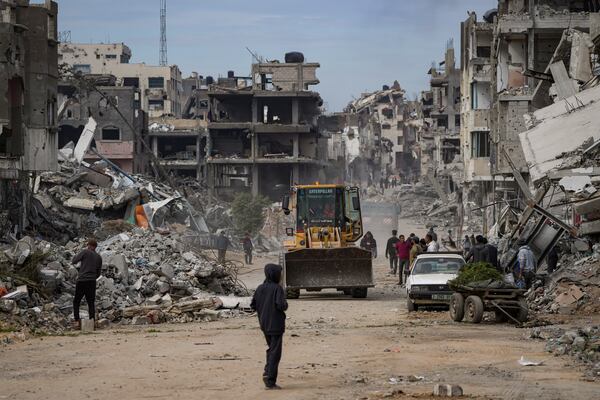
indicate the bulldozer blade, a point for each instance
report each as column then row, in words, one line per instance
column 349, row 267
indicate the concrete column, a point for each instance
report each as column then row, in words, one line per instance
column 296, row 149
column 254, row 146
column 198, row 173
column 155, row 146
column 295, row 111
column 296, row 173
column 255, row 178
column 210, row 178
column 531, row 55
column 255, row 111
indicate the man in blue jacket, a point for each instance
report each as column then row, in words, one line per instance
column 270, row 304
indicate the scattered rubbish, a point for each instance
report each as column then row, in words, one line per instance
column 528, row 363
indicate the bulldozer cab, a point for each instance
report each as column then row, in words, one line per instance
column 333, row 208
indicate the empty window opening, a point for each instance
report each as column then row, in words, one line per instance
column 111, row 133
column 156, row 82
column 480, row 144
column 131, row 81
column 156, row 105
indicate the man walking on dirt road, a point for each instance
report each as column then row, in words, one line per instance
column 270, row 305
column 403, row 250
column 390, row 252
column 89, row 270
column 248, row 248
column 222, row 246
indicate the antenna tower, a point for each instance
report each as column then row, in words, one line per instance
column 163, row 33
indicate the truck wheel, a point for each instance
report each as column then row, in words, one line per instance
column 410, row 306
column 359, row 293
column 457, row 307
column 474, row 309
column 292, row 293
column 347, row 292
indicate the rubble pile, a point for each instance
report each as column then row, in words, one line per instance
column 147, row 277
column 573, row 289
column 422, row 200
column 581, row 343
column 75, row 201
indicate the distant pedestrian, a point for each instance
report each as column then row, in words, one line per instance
column 369, row 243
column 248, row 248
column 432, row 245
column 390, row 252
column 492, row 254
column 434, row 236
column 223, row 244
column 412, row 236
column 466, row 245
column 270, row 306
column 527, row 264
column 403, row 249
column 415, row 250
column 479, row 252
column 89, row 270
column 552, row 260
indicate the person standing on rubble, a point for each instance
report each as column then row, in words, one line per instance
column 89, row 270
column 223, row 244
column 390, row 252
column 527, row 264
column 270, row 305
column 248, row 248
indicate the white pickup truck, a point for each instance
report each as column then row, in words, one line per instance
column 428, row 280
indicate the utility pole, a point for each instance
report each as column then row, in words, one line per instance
column 163, row 33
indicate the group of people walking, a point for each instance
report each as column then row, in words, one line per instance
column 402, row 250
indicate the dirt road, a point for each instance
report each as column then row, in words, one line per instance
column 335, row 348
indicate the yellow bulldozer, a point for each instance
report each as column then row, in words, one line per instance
column 321, row 251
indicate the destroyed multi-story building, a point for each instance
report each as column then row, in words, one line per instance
column 378, row 121
column 476, row 70
column 263, row 133
column 531, row 41
column 121, row 124
column 161, row 87
column 28, row 104
column 179, row 145
column 440, row 132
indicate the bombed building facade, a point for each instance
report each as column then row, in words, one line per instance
column 28, row 101
column 161, row 87
column 262, row 131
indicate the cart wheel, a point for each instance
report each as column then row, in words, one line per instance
column 410, row 306
column 360, row 293
column 457, row 307
column 474, row 309
column 500, row 317
column 523, row 311
column 292, row 293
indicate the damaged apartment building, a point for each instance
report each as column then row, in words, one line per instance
column 262, row 130
column 439, row 136
column 161, row 87
column 539, row 55
column 120, row 122
column 376, row 122
column 28, row 103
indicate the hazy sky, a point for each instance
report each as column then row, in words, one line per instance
column 360, row 44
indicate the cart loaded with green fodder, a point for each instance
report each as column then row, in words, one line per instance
column 479, row 287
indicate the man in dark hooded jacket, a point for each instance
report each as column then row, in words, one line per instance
column 270, row 305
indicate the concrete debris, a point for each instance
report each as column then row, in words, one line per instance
column 177, row 286
column 529, row 363
column 581, row 343
column 444, row 390
column 573, row 289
